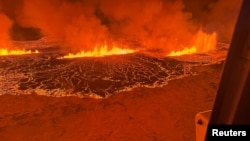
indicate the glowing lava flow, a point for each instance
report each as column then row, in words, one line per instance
column 184, row 51
column 100, row 52
column 203, row 43
column 5, row 52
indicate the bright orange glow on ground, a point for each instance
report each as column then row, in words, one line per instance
column 203, row 43
column 5, row 52
column 100, row 52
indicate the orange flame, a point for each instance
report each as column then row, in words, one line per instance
column 5, row 52
column 184, row 51
column 203, row 43
column 100, row 52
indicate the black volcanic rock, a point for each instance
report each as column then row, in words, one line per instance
column 102, row 76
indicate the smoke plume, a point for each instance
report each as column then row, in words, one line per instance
column 222, row 18
column 215, row 16
column 83, row 24
column 5, row 25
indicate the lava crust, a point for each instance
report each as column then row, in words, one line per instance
column 101, row 77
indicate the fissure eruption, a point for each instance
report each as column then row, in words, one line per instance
column 119, row 45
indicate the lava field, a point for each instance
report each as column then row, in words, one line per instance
column 98, row 77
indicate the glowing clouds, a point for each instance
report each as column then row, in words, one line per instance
column 154, row 23
column 71, row 23
column 5, row 25
column 83, row 35
column 79, row 25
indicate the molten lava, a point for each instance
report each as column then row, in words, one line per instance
column 100, row 52
column 203, row 43
column 5, row 52
column 184, row 51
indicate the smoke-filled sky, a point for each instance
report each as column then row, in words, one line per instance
column 5, row 25
column 82, row 24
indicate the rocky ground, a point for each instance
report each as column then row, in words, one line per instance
column 162, row 113
column 129, row 97
column 45, row 74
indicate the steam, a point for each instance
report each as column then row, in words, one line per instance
column 5, row 25
column 154, row 23
column 82, row 24
column 72, row 23
column 222, row 18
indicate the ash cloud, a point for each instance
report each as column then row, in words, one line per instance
column 72, row 23
column 162, row 24
column 154, row 23
column 5, row 25
column 222, row 18
column 215, row 16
